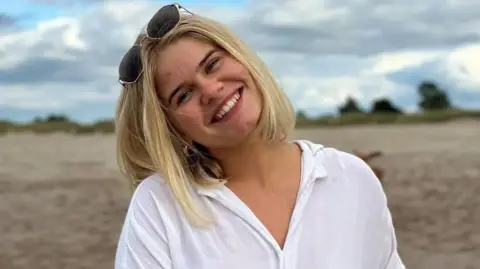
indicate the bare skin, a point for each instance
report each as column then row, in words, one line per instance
column 267, row 178
column 195, row 81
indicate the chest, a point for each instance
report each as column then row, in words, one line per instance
column 271, row 207
column 322, row 239
column 274, row 211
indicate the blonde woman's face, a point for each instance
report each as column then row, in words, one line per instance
column 210, row 97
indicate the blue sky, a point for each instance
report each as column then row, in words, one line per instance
column 56, row 55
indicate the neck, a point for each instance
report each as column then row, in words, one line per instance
column 255, row 161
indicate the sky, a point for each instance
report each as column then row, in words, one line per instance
column 62, row 56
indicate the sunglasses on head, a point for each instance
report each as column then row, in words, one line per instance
column 166, row 18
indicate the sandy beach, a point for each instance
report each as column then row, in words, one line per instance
column 63, row 201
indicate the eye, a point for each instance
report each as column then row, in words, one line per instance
column 211, row 65
column 184, row 96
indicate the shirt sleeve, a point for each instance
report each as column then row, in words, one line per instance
column 379, row 233
column 143, row 242
column 393, row 261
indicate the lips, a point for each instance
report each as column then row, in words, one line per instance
column 225, row 105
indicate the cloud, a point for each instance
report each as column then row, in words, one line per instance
column 456, row 69
column 317, row 96
column 463, row 67
column 66, row 2
column 7, row 21
column 321, row 51
column 361, row 27
column 56, row 95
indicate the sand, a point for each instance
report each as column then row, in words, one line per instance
column 63, row 201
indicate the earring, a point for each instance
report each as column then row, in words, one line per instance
column 191, row 154
column 185, row 149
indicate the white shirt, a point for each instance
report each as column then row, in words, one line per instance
column 340, row 221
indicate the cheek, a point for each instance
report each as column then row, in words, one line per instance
column 235, row 69
column 243, row 72
column 187, row 123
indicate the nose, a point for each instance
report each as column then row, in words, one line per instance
column 210, row 89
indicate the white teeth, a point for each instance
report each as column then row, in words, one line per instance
column 226, row 108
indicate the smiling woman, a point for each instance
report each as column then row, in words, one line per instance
column 202, row 129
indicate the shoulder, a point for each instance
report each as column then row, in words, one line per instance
column 152, row 188
column 356, row 187
column 337, row 162
column 145, row 225
column 150, row 199
column 345, row 169
column 146, row 207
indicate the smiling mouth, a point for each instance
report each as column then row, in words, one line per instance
column 227, row 106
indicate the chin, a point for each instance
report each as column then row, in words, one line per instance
column 238, row 124
column 223, row 139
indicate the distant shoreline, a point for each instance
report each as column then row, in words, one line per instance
column 107, row 126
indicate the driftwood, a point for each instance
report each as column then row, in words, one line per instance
column 367, row 157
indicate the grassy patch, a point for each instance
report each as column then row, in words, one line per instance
column 107, row 126
column 365, row 118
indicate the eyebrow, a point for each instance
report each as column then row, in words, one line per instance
column 200, row 64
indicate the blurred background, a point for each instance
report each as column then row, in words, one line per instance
column 397, row 83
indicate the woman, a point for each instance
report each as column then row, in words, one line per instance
column 202, row 131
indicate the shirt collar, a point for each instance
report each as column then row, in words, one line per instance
column 312, row 169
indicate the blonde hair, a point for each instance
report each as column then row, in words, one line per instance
column 147, row 143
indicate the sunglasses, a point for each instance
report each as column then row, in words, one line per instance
column 162, row 22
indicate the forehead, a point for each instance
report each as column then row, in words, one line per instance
column 180, row 58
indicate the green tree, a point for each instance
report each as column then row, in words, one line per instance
column 302, row 116
column 384, row 105
column 432, row 97
column 57, row 118
column 37, row 119
column 350, row 106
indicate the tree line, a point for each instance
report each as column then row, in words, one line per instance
column 433, row 102
column 431, row 96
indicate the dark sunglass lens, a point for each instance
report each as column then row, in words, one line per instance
column 131, row 65
column 163, row 21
